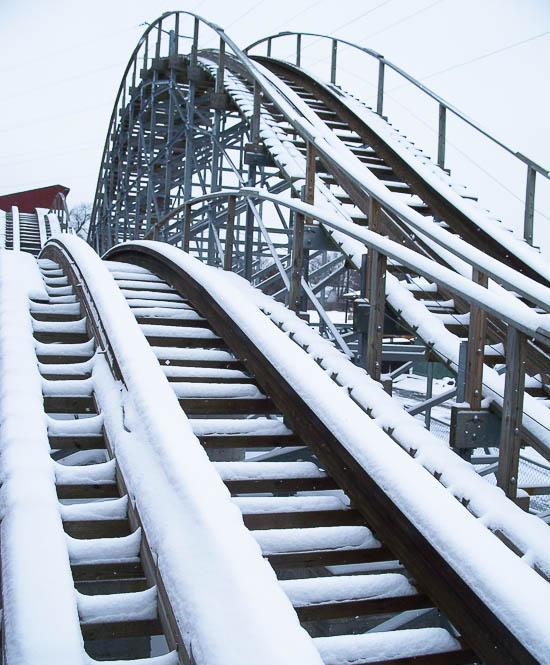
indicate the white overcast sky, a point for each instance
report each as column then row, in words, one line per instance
column 61, row 63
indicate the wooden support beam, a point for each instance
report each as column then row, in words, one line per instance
column 78, row 442
column 69, row 404
column 103, row 528
column 299, row 519
column 298, row 235
column 248, row 440
column 272, row 485
column 512, row 411
column 297, row 261
column 368, row 606
column 118, row 629
column 120, row 570
column 329, row 557
column 227, row 405
column 186, row 227
column 476, row 344
column 376, row 284
column 88, row 491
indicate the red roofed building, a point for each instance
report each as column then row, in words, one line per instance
column 32, row 198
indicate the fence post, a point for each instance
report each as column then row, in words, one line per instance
column 376, row 289
column 512, row 411
column 441, row 136
column 380, row 95
column 186, row 227
column 333, row 61
column 529, row 205
column 297, row 261
column 476, row 348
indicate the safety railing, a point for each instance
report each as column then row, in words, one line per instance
column 533, row 168
column 381, row 249
column 60, row 209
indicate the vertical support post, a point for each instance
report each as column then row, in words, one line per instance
column 441, row 136
column 529, row 205
column 176, row 33
column 297, row 268
column 298, row 50
column 333, row 61
column 186, row 227
column 512, row 410
column 363, row 279
column 376, row 288
column 429, row 392
column 476, row 348
column 380, row 95
column 215, row 169
column 269, row 47
column 146, row 51
column 221, row 67
column 249, row 224
column 229, row 234
column 309, row 193
column 297, row 261
column 255, row 122
column 461, row 374
column 159, row 37
column 188, row 168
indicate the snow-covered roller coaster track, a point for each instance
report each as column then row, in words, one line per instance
column 364, row 538
column 27, row 232
column 193, row 123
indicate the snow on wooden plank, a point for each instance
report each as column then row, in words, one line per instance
column 40, row 618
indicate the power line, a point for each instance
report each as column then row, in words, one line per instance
column 464, row 154
column 381, row 4
column 57, row 116
column 286, row 22
column 378, row 32
column 486, row 55
column 75, row 47
column 246, row 13
column 42, row 156
column 356, row 18
column 47, row 86
column 405, row 18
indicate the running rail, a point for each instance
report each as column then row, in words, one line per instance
column 399, row 512
column 201, row 635
column 532, row 167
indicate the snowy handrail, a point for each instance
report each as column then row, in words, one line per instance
column 385, row 62
column 532, row 167
column 531, row 323
column 59, row 208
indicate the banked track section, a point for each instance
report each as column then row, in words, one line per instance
column 186, row 565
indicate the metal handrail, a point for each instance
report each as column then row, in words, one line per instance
column 447, row 105
column 59, row 205
column 532, row 167
column 288, row 105
column 459, row 285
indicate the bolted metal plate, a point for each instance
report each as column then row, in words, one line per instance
column 474, row 429
column 315, row 238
